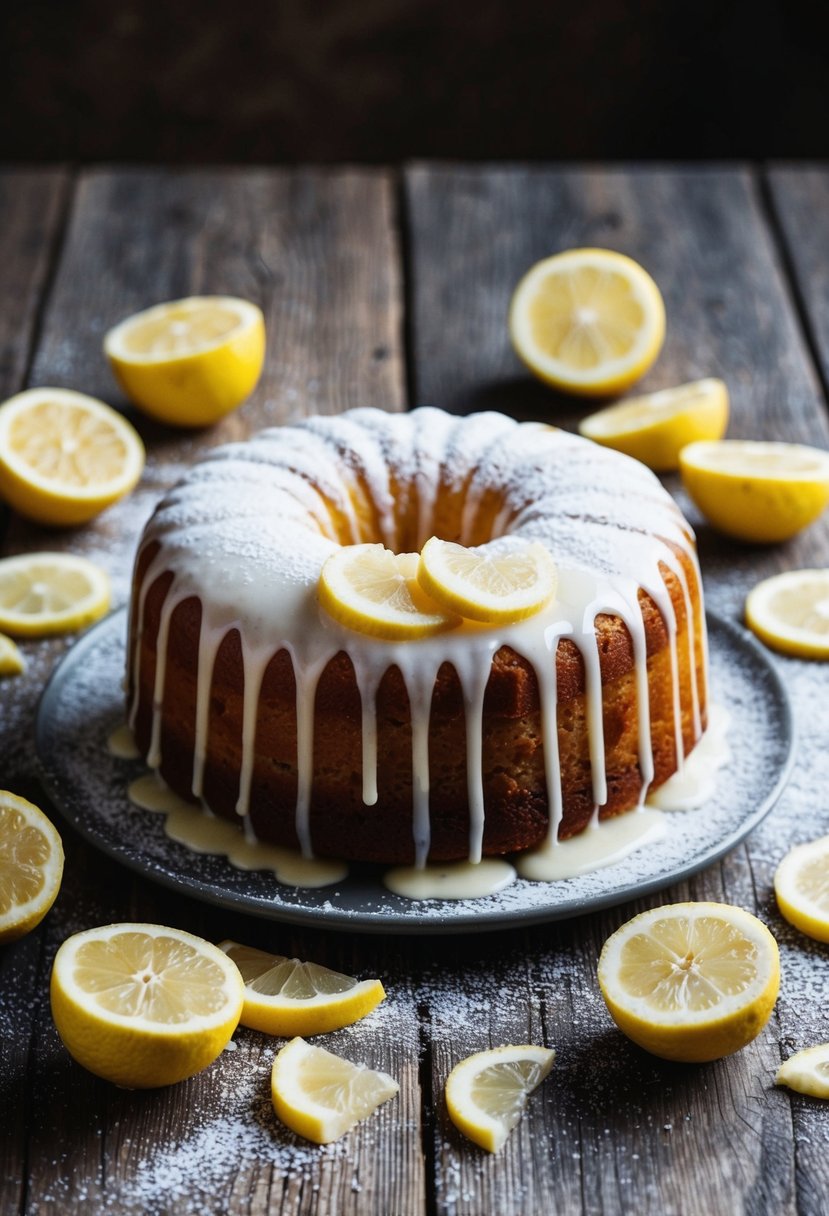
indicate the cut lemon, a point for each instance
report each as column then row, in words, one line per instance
column 588, row 321
column 691, row 981
column 801, row 886
column 486, row 1093
column 807, row 1071
column 375, row 591
column 505, row 580
column 12, row 662
column 189, row 362
column 321, row 1096
column 656, row 427
column 31, row 866
column 790, row 613
column 144, row 1005
column 64, row 456
column 761, row 492
column 287, row 997
column 43, row 593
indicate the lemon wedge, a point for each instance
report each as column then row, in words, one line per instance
column 505, row 580
column 487, row 1092
column 375, row 591
column 588, row 321
column 807, row 1071
column 761, row 492
column 12, row 662
column 287, row 997
column 64, row 456
column 801, row 886
column 321, row 1096
column 790, row 613
column 42, row 593
column 31, row 866
column 189, row 362
column 691, row 981
column 655, row 428
column 144, row 1005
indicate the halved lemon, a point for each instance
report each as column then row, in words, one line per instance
column 487, row 1092
column 31, row 865
column 12, row 662
column 656, row 427
column 287, row 997
column 691, row 981
column 375, row 591
column 189, row 362
column 801, row 886
column 588, row 321
column 320, row 1095
column 807, row 1071
column 505, row 580
column 42, row 593
column 64, row 456
column 144, row 1005
column 761, row 492
column 790, row 613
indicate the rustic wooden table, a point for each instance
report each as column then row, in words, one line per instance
column 390, row 290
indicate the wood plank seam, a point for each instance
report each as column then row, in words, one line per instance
column 67, row 192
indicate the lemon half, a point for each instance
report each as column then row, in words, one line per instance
column 31, row 865
column 801, row 886
column 790, row 613
column 43, row 593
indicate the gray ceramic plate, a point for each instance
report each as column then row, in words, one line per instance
column 83, row 704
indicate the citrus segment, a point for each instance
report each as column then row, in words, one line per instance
column 375, row 591
column 505, row 580
column 31, row 866
column 189, row 362
column 321, row 1096
column 64, row 456
column 790, row 613
column 42, row 593
column 12, row 662
column 588, row 321
column 487, row 1092
column 287, row 997
column 807, row 1071
column 760, row 492
column 801, row 886
column 144, row 1005
column 691, row 981
column 655, row 427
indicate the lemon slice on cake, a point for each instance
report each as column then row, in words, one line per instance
column 375, row 591
column 588, row 321
column 505, row 580
column 760, row 492
column 12, row 662
column 807, row 1071
column 790, row 613
column 656, row 427
column 42, row 593
column 189, row 362
column 487, row 1092
column 801, row 886
column 64, row 456
column 285, row 996
column 320, row 1095
column 144, row 1005
column 691, row 981
column 31, row 866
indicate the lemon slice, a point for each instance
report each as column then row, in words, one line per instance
column 64, row 456
column 761, row 492
column 691, row 981
column 12, row 662
column 189, row 362
column 144, row 1005
column 375, row 591
column 790, row 613
column 287, row 997
column 31, row 866
column 801, row 886
column 807, row 1071
column 321, row 1096
column 588, row 321
column 505, row 580
column 487, row 1092
column 654, row 428
column 43, row 593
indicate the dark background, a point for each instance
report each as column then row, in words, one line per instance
column 385, row 80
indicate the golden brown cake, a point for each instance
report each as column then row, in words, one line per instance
column 246, row 695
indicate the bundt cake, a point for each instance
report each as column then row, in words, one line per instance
column 246, row 695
